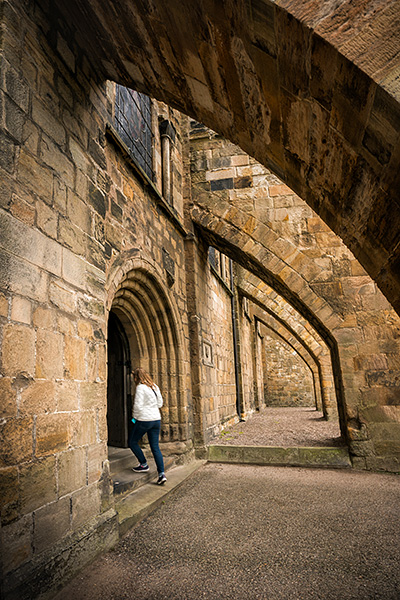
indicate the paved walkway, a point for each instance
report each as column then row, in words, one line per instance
column 234, row 532
column 276, row 426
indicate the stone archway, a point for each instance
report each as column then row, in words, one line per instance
column 146, row 313
column 309, row 89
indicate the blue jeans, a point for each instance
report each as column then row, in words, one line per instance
column 152, row 428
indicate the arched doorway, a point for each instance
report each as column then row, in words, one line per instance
column 119, row 398
column 144, row 331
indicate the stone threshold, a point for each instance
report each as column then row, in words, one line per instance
column 322, row 457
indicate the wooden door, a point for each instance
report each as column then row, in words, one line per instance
column 119, row 403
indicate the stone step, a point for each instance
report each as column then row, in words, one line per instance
column 331, row 457
column 120, row 458
column 141, row 502
column 125, row 480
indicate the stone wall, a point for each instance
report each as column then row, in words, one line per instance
column 250, row 215
column 76, row 218
column 289, row 381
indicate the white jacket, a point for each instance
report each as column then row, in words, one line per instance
column 147, row 403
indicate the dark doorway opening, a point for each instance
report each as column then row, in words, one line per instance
column 119, row 398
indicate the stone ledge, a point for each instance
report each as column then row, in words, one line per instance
column 280, row 456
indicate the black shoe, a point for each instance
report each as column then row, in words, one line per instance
column 161, row 479
column 140, row 468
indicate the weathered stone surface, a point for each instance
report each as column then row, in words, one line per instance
column 305, row 457
column 93, row 395
column 51, row 523
column 67, row 395
column 74, row 358
column 97, row 454
column 36, row 178
column 71, row 471
column 62, row 296
column 38, row 398
column 8, row 405
column 18, row 350
column 85, row 505
column 83, row 427
column 47, row 221
column 17, row 539
column 53, row 434
column 43, row 318
column 3, row 306
column 9, row 495
column 21, row 310
column 38, row 483
column 16, row 441
column 49, row 354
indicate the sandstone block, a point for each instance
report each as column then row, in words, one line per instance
column 66, row 325
column 91, row 362
column 279, row 190
column 44, row 118
column 30, row 244
column 70, row 235
column 36, row 178
column 73, row 269
column 74, row 358
column 220, row 174
column 8, row 404
column 47, row 219
column 57, row 160
column 49, row 354
column 83, row 427
column 22, row 210
column 66, row 52
column 23, row 277
column 78, row 212
column 101, row 362
column 90, row 308
column 3, row 306
column 51, row 523
column 102, row 430
column 37, row 398
column 14, row 119
column 59, row 195
column 9, row 494
column 97, row 454
column 67, row 395
column 31, row 136
column 43, row 318
column 17, row 540
column 93, row 395
column 38, row 483
column 85, row 505
column 71, row 471
column 18, row 351
column 16, row 87
column 85, row 329
column 62, row 296
column 53, row 433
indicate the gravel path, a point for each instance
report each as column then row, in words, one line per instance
column 283, row 427
column 244, row 532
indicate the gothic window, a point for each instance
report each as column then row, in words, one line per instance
column 133, row 123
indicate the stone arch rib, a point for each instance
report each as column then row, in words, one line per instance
column 153, row 331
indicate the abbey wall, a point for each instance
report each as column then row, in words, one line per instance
column 190, row 259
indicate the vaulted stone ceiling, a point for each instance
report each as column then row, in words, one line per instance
column 309, row 88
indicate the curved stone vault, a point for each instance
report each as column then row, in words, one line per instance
column 310, row 89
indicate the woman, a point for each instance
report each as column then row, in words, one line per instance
column 147, row 419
